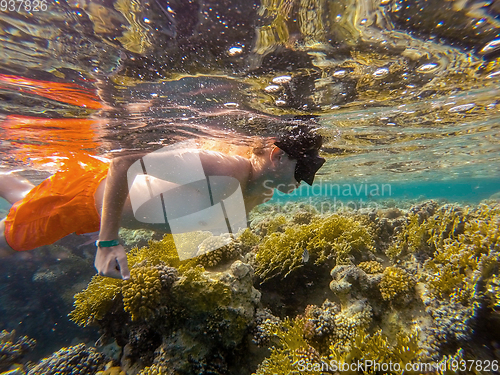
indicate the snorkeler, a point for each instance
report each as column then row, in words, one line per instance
column 95, row 195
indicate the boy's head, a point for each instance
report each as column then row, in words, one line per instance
column 302, row 144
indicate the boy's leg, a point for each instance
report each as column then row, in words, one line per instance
column 5, row 249
column 13, row 188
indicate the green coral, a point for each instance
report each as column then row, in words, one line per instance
column 462, row 246
column 395, row 282
column 142, row 292
column 371, row 267
column 332, row 237
column 94, row 302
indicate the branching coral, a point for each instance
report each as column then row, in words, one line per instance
column 141, row 294
column 288, row 349
column 158, row 252
column 95, row 301
column 332, row 237
column 460, row 262
column 376, row 349
column 248, row 239
column 348, row 322
column 395, row 281
column 423, row 233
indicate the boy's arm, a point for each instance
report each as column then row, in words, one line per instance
column 112, row 261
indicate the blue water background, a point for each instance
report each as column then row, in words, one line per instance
column 467, row 191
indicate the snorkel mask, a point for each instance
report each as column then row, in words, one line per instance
column 302, row 144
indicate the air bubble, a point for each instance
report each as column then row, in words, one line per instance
column 282, row 80
column 340, row 74
column 492, row 46
column 235, row 51
column 380, row 73
column 272, row 89
column 462, row 108
column 427, row 68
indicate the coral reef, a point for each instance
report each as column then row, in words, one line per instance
column 400, row 286
column 75, row 360
column 13, row 349
column 179, row 315
column 335, row 237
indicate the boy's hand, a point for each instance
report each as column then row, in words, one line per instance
column 112, row 262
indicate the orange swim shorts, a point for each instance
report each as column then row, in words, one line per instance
column 62, row 204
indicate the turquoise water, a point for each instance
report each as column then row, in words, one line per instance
column 467, row 191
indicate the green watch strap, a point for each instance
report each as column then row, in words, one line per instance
column 107, row 243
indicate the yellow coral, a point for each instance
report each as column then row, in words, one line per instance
column 154, row 369
column 332, row 237
column 248, row 239
column 141, row 294
column 371, row 267
column 94, row 302
column 395, row 281
column 493, row 292
column 289, row 337
column 155, row 253
column 460, row 261
column 377, row 349
column 112, row 370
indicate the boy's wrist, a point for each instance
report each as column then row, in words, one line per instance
column 111, row 243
